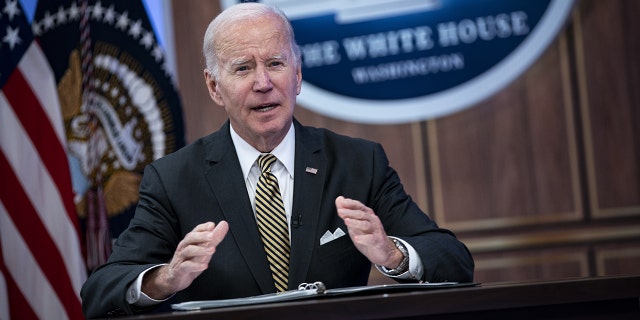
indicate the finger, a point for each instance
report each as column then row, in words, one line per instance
column 354, row 214
column 203, row 239
column 350, row 203
column 361, row 228
column 339, row 201
column 219, row 232
column 207, row 226
column 346, row 203
column 194, row 252
column 193, row 265
column 358, row 224
column 192, row 239
column 196, row 257
column 201, row 233
column 352, row 207
column 364, row 214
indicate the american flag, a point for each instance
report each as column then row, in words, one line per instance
column 41, row 265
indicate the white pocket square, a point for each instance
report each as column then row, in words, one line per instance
column 328, row 236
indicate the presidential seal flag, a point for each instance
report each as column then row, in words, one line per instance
column 119, row 105
column 41, row 264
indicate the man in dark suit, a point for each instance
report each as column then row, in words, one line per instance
column 197, row 231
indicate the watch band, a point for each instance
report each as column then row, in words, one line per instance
column 404, row 264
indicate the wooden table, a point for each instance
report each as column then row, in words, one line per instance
column 588, row 298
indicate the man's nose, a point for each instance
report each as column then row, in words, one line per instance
column 262, row 81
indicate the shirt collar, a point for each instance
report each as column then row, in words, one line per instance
column 285, row 151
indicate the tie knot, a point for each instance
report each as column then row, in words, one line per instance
column 265, row 161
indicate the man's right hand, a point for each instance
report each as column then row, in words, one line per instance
column 191, row 258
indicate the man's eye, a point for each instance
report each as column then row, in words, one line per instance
column 242, row 68
column 276, row 64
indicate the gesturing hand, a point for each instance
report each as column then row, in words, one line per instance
column 367, row 233
column 191, row 258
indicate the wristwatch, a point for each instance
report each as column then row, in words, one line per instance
column 404, row 264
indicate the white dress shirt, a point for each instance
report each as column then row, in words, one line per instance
column 282, row 168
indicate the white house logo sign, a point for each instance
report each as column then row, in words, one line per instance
column 392, row 61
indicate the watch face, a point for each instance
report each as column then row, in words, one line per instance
column 404, row 264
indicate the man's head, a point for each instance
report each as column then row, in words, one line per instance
column 253, row 71
column 236, row 13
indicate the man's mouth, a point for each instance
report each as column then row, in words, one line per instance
column 265, row 107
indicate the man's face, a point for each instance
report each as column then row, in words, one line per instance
column 259, row 80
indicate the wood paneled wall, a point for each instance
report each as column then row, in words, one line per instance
column 541, row 180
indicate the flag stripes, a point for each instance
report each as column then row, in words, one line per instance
column 41, row 265
column 39, row 114
column 41, row 194
column 16, row 300
column 38, row 127
column 36, row 241
column 27, row 278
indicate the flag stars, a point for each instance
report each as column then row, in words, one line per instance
column 136, row 29
column 147, row 39
column 12, row 37
column 98, row 10
column 61, row 15
column 165, row 68
column 74, row 12
column 123, row 21
column 11, row 9
column 157, row 53
column 110, row 15
column 48, row 21
column 100, row 13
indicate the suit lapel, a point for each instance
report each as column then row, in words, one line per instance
column 309, row 177
column 225, row 178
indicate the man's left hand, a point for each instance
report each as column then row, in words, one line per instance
column 367, row 233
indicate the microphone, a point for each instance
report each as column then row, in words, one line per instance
column 297, row 222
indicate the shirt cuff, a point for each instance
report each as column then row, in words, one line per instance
column 136, row 297
column 416, row 269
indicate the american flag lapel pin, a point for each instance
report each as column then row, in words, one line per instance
column 311, row 170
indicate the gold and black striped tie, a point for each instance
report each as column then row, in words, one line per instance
column 272, row 222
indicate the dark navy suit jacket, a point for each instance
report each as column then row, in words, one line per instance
column 203, row 182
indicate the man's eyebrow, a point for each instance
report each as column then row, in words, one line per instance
column 238, row 61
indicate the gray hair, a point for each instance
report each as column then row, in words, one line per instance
column 235, row 13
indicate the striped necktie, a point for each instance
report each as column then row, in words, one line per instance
column 272, row 222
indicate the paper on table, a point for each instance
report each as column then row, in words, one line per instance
column 266, row 298
column 311, row 290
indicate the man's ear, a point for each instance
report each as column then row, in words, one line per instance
column 212, row 86
column 299, row 79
